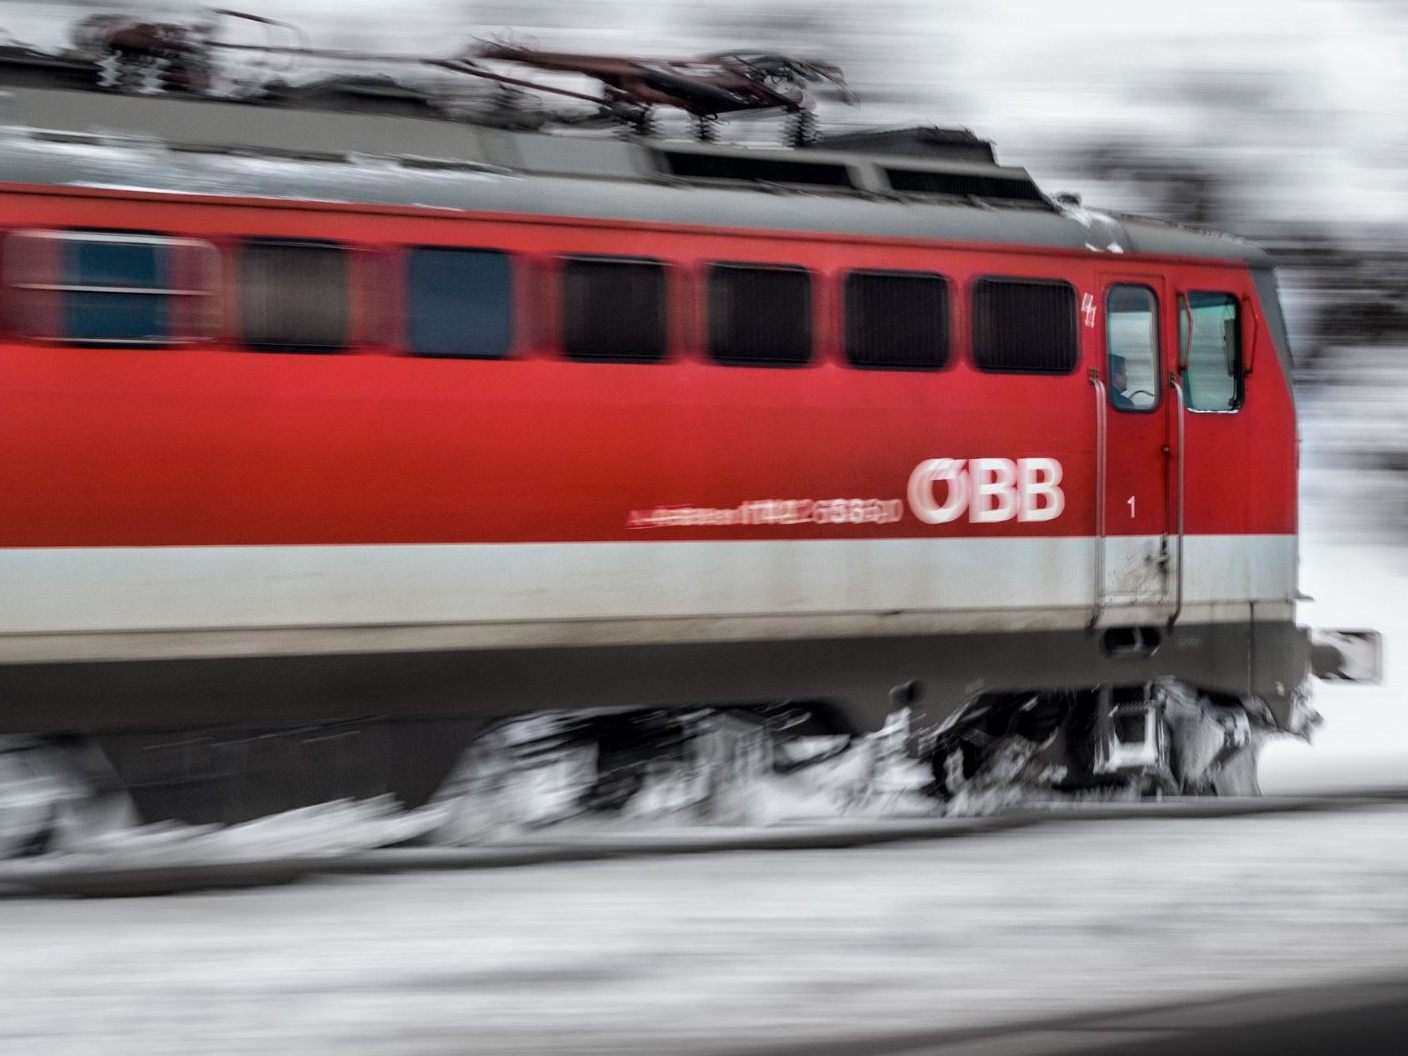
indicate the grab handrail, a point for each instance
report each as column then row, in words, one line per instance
column 1101, row 455
column 1177, row 386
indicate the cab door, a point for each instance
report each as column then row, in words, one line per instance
column 1136, row 553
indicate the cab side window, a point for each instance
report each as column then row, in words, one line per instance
column 1212, row 371
column 1132, row 347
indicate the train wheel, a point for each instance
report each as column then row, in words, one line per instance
column 616, row 785
column 49, row 798
column 955, row 763
column 1237, row 775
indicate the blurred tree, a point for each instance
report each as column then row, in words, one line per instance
column 887, row 47
column 1181, row 187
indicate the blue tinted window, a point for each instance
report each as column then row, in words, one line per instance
column 104, row 299
column 109, row 288
column 460, row 303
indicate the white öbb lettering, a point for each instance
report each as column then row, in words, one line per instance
column 989, row 490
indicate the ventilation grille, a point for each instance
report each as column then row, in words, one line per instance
column 689, row 166
column 1024, row 326
column 965, row 185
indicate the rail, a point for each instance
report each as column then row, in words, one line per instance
column 50, row 878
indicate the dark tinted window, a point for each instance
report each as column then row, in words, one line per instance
column 760, row 316
column 460, row 303
column 965, row 185
column 897, row 320
column 109, row 288
column 294, row 296
column 764, row 170
column 613, row 309
column 1024, row 326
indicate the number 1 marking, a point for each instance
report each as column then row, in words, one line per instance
column 1131, row 507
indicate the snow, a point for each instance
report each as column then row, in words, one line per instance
column 1364, row 740
column 689, row 954
column 1296, row 99
column 1354, row 564
column 329, row 830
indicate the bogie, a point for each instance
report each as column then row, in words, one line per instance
column 1142, row 739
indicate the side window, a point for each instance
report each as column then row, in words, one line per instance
column 760, row 316
column 613, row 309
column 1024, row 326
column 1212, row 373
column 294, row 296
column 459, row 302
column 1132, row 347
column 108, row 288
column 896, row 320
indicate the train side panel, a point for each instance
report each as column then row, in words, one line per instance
column 212, row 514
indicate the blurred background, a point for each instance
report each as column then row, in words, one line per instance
column 1282, row 121
column 1279, row 120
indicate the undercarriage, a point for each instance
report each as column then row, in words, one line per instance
column 1150, row 739
column 472, row 781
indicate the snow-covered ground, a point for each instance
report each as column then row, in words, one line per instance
column 685, row 955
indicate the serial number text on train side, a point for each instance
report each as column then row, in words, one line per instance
column 772, row 512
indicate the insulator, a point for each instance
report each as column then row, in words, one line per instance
column 706, row 128
column 801, row 129
column 639, row 122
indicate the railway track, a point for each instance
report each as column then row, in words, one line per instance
column 95, row 877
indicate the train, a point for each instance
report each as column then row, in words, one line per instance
column 338, row 431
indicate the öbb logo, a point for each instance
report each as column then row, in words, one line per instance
column 989, row 490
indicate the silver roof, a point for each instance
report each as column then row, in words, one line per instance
column 188, row 145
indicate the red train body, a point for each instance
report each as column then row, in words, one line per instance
column 207, row 531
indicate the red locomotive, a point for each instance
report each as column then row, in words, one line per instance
column 313, row 470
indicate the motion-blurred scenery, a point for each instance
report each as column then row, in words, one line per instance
column 747, row 527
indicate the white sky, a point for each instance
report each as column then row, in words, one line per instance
column 1302, row 98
